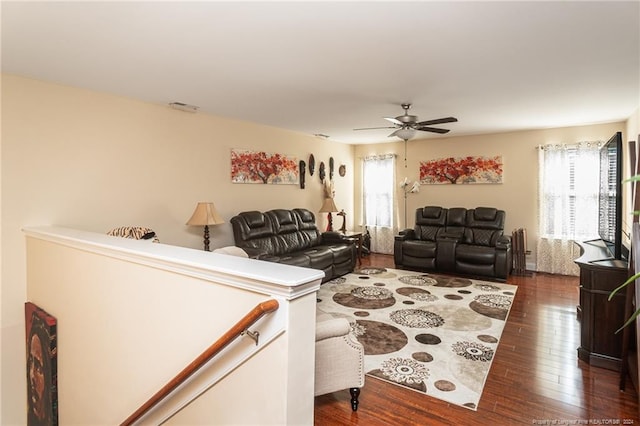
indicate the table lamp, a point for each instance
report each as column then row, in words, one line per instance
column 205, row 214
column 328, row 206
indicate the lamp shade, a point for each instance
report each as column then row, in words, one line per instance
column 328, row 206
column 205, row 214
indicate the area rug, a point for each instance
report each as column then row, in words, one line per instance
column 433, row 334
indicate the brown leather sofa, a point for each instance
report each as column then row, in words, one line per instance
column 458, row 240
column 292, row 237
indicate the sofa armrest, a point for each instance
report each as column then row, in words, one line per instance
column 406, row 234
column 332, row 237
column 231, row 251
column 339, row 357
column 503, row 243
column 254, row 253
column 331, row 327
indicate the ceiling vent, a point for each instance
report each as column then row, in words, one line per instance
column 183, row 107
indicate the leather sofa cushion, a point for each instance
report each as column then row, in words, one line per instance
column 475, row 254
column 257, row 223
column 428, row 233
column 456, row 216
column 263, row 245
column 416, row 248
column 286, row 227
column 484, row 226
column 295, row 259
column 430, row 221
column 283, row 221
column 456, row 222
column 485, row 217
column 320, row 257
column 485, row 269
column 256, row 231
column 430, row 212
column 483, row 237
column 343, row 252
column 485, row 214
column 307, row 227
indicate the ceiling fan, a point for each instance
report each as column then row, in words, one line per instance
column 406, row 125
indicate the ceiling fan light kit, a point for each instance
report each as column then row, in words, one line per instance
column 405, row 133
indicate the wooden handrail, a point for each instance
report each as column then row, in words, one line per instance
column 247, row 321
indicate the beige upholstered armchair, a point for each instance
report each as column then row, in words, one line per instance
column 339, row 358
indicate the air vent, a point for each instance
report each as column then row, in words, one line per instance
column 183, row 107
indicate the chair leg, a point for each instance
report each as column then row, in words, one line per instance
column 355, row 392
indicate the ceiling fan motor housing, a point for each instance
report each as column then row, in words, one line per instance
column 406, row 118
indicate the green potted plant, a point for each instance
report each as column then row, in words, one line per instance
column 632, row 278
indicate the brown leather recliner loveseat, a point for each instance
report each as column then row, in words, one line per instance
column 292, row 237
column 458, row 240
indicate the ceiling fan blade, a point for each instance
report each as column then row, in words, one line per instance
column 437, row 121
column 431, row 129
column 374, row 128
column 394, row 120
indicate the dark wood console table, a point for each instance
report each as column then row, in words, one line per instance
column 600, row 346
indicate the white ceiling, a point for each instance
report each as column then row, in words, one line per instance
column 330, row 67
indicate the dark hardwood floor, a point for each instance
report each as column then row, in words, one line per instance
column 535, row 378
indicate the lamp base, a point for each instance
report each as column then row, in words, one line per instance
column 206, row 238
column 330, row 222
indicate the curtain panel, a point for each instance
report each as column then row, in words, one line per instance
column 567, row 204
column 378, row 189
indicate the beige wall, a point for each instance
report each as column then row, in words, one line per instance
column 92, row 161
column 517, row 195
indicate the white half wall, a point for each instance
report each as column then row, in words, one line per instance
column 132, row 314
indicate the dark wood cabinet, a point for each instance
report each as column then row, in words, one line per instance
column 600, row 318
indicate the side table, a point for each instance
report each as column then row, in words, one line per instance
column 356, row 238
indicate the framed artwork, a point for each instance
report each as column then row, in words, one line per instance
column 42, row 366
column 262, row 167
column 461, row 170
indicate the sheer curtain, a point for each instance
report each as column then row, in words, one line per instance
column 567, row 202
column 378, row 189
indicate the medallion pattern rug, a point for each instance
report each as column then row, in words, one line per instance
column 431, row 333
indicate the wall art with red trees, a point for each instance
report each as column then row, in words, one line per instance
column 262, row 167
column 461, row 170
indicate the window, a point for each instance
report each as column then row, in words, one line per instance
column 378, row 190
column 568, row 203
column 378, row 177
